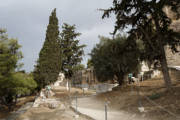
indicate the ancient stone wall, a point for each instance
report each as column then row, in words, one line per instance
column 84, row 78
column 173, row 59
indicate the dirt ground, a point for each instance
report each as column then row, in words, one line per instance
column 67, row 113
column 150, row 94
column 4, row 112
column 44, row 113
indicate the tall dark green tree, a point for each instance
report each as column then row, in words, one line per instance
column 115, row 58
column 49, row 62
column 146, row 20
column 71, row 50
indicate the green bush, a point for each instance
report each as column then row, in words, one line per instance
column 12, row 83
column 16, row 84
column 155, row 96
column 24, row 84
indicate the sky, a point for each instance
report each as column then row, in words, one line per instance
column 27, row 21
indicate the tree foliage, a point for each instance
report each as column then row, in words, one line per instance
column 78, row 67
column 49, row 62
column 9, row 53
column 12, row 83
column 89, row 63
column 147, row 21
column 24, row 83
column 71, row 50
column 115, row 58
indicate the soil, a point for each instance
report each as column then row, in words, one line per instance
column 67, row 113
column 44, row 113
column 152, row 95
column 4, row 112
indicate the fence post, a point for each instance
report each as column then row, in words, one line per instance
column 83, row 91
column 105, row 110
column 76, row 103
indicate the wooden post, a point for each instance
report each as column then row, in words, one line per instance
column 105, row 110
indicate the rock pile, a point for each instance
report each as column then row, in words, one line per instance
column 44, row 100
column 51, row 103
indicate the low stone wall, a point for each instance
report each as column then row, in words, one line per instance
column 104, row 87
column 99, row 88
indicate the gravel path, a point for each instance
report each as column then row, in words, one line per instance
column 96, row 110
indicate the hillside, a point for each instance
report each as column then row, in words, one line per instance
column 152, row 95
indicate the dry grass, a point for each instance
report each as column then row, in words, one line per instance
column 45, row 113
column 4, row 112
column 127, row 98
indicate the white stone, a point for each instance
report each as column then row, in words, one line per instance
column 85, row 89
column 76, row 116
column 60, row 79
column 42, row 94
column 141, row 109
column 36, row 102
column 53, row 105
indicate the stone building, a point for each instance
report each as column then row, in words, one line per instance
column 173, row 59
column 84, row 78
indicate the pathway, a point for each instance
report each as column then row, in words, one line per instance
column 95, row 109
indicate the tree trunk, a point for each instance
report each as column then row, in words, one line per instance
column 16, row 99
column 163, row 60
column 120, row 79
column 165, row 70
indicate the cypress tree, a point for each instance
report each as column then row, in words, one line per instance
column 49, row 63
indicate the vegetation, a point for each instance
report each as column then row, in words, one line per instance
column 71, row 50
column 50, row 57
column 155, row 96
column 25, row 84
column 12, row 83
column 89, row 63
column 60, row 52
column 146, row 20
column 78, row 67
column 115, row 58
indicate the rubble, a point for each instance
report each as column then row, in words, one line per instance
column 51, row 103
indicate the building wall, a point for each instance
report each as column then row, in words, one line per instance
column 173, row 59
column 84, row 78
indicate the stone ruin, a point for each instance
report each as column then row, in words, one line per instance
column 60, row 80
column 45, row 97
